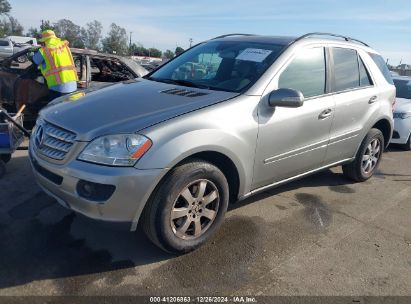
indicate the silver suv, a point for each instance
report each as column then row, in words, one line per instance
column 226, row 119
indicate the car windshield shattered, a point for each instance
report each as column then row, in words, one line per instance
column 219, row 65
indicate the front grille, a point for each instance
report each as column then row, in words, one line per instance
column 52, row 141
column 185, row 93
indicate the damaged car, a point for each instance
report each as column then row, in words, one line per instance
column 21, row 83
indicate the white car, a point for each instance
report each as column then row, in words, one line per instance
column 402, row 114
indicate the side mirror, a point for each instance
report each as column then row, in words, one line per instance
column 286, row 98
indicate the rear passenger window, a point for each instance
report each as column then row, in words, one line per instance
column 305, row 73
column 346, row 71
column 382, row 66
column 365, row 79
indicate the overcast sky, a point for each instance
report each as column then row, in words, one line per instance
column 384, row 24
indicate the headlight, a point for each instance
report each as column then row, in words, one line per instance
column 402, row 115
column 116, row 150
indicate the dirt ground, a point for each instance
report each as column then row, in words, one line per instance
column 321, row 235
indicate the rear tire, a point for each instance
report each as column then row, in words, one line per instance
column 187, row 207
column 368, row 157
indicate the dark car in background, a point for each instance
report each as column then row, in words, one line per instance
column 22, row 83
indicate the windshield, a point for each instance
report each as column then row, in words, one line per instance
column 403, row 87
column 220, row 65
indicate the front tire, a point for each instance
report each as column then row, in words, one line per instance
column 368, row 157
column 187, row 208
column 22, row 59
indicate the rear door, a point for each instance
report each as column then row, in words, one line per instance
column 292, row 141
column 6, row 48
column 356, row 101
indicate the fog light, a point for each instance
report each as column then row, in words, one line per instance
column 94, row 191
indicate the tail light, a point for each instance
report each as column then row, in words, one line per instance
column 393, row 101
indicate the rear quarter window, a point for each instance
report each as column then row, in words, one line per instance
column 382, row 66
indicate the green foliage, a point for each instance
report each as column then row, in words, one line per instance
column 36, row 32
column 67, row 30
column 153, row 52
column 10, row 27
column 5, row 7
column 179, row 50
column 168, row 54
column 116, row 40
column 91, row 35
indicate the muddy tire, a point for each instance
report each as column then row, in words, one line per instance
column 5, row 157
column 368, row 157
column 187, row 208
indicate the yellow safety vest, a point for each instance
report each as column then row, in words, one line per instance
column 59, row 65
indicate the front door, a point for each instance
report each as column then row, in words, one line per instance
column 292, row 141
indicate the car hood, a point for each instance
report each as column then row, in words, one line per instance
column 402, row 105
column 126, row 107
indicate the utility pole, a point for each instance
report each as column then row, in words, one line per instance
column 129, row 46
column 191, row 41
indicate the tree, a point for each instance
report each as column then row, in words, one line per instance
column 179, row 50
column 11, row 27
column 153, row 52
column 36, row 33
column 168, row 54
column 67, row 30
column 46, row 25
column 91, row 35
column 5, row 7
column 116, row 40
column 140, row 50
column 33, row 32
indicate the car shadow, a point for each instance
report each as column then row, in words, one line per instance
column 395, row 148
column 335, row 181
column 43, row 240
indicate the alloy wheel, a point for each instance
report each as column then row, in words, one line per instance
column 371, row 156
column 195, row 209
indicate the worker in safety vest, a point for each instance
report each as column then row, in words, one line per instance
column 56, row 65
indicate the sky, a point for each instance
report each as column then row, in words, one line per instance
column 383, row 24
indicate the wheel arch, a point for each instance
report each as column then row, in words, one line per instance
column 221, row 160
column 386, row 129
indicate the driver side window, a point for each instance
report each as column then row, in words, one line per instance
column 306, row 73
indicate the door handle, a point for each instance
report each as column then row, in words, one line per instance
column 325, row 114
column 372, row 99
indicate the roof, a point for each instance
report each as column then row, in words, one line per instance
column 280, row 40
column 287, row 40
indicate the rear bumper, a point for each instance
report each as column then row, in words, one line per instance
column 402, row 129
column 133, row 188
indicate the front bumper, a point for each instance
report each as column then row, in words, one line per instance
column 402, row 128
column 133, row 187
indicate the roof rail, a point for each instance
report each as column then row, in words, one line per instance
column 228, row 35
column 329, row 34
